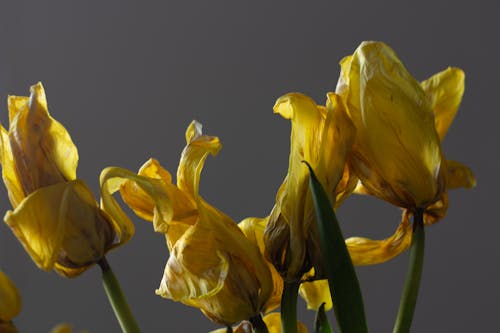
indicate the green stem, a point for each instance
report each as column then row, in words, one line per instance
column 289, row 307
column 117, row 299
column 412, row 283
column 259, row 326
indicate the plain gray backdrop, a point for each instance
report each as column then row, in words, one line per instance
column 127, row 77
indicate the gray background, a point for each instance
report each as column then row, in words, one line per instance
column 126, row 78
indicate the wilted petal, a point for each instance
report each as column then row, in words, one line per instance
column 112, row 179
column 10, row 301
column 316, row 293
column 43, row 151
column 459, row 175
column 184, row 209
column 193, row 157
column 365, row 251
column 445, row 90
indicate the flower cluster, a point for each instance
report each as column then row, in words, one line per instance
column 379, row 133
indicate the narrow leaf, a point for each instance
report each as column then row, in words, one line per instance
column 342, row 279
column 321, row 324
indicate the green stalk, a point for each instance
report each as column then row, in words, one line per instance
column 412, row 283
column 258, row 325
column 117, row 299
column 289, row 307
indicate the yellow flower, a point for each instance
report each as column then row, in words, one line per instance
column 55, row 216
column 397, row 151
column 212, row 265
column 322, row 136
column 10, row 301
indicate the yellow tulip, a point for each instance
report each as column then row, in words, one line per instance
column 397, row 151
column 10, row 301
column 212, row 265
column 55, row 216
column 322, row 136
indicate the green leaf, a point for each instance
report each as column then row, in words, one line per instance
column 321, row 324
column 342, row 279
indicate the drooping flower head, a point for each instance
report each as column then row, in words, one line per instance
column 212, row 265
column 399, row 124
column 322, row 136
column 55, row 216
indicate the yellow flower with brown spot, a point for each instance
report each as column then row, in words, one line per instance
column 55, row 216
column 323, row 137
column 397, row 152
column 212, row 265
column 10, row 302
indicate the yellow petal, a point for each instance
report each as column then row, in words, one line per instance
column 9, row 171
column 111, row 179
column 42, row 149
column 365, row 251
column 184, row 207
column 316, row 293
column 10, row 301
column 273, row 323
column 62, row 223
column 445, row 90
column 138, row 200
column 459, row 175
column 193, row 157
column 397, row 153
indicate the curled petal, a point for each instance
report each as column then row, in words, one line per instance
column 459, row 175
column 10, row 301
column 135, row 197
column 111, row 180
column 365, row 251
column 445, row 90
column 193, row 157
column 316, row 293
column 184, row 208
column 42, row 148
